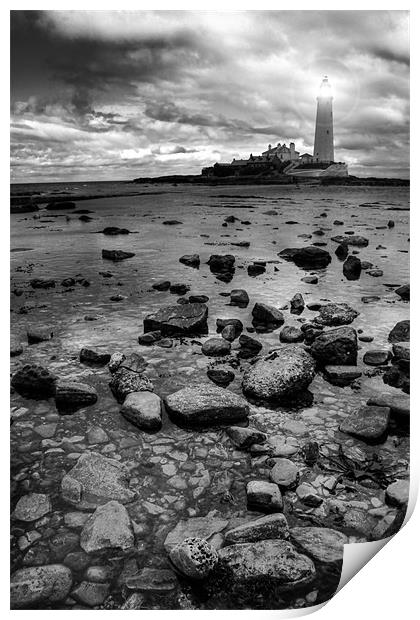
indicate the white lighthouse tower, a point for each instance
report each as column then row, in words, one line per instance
column 324, row 137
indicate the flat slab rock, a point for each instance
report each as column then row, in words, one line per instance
column 266, row 528
column 336, row 347
column 282, row 374
column 179, row 320
column 398, row 403
column 116, row 255
column 37, row 584
column 108, row 527
column 369, row 423
column 206, row 404
column 342, row 375
column 320, row 543
column 196, row 527
column 276, row 560
column 95, row 480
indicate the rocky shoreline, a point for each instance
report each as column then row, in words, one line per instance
column 217, row 461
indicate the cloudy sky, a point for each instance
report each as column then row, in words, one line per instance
column 118, row 94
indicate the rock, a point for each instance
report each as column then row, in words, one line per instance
column 291, row 334
column 399, row 404
column 404, row 292
column 152, row 580
column 115, row 362
column 95, row 480
column 196, row 527
column 144, row 410
column 34, row 381
column 310, row 279
column 376, row 357
column 229, row 333
column 90, row 594
column 116, row 255
column 401, row 351
column 71, row 395
column 134, row 601
column 16, row 347
column 267, row 314
column 42, row 283
column 375, row 273
column 342, row 375
column 336, row 347
column 150, row 338
column 279, row 446
column 108, row 527
column 198, row 299
column 194, row 558
column 397, row 493
column 336, row 314
column 237, row 325
column 307, row 495
column 264, row 496
column 220, row 376
column 284, row 473
column 356, row 240
column 391, row 224
column 272, row 526
column 62, row 205
column 398, row 378
column 163, row 285
column 255, row 269
column 62, row 543
column 243, row 438
column 125, row 381
column 367, row 423
column 352, row 268
column 32, row 507
column 250, row 347
column 39, row 584
column 342, row 251
column 114, row 230
column 400, row 332
column 179, row 288
column 179, row 320
column 216, row 347
column 221, row 262
column 206, row 404
column 268, row 560
column 239, row 297
column 322, row 544
column 94, row 357
column 96, row 434
column 281, row 375
column 25, row 208
column 310, row 257
column 191, row 260
column 41, row 334
column 297, row 305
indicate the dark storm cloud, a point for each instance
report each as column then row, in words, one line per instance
column 119, row 92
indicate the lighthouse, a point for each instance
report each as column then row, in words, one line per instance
column 324, row 137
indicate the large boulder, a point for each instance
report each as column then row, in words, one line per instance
column 221, row 262
column 265, row 528
column 205, row 405
column 194, row 557
column 179, row 320
column 336, row 314
column 108, row 527
column 281, row 375
column 34, row 381
column 400, row 332
column 144, row 410
column 96, row 480
column 322, row 544
column 40, row 584
column 352, row 268
column 336, row 347
column 310, row 257
column 369, row 423
column 268, row 560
